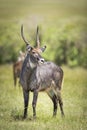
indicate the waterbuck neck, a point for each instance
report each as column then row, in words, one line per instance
column 32, row 62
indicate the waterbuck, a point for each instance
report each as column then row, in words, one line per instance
column 38, row 75
column 17, row 67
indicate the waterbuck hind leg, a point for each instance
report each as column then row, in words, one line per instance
column 60, row 102
column 61, row 106
column 53, row 97
column 26, row 99
column 35, row 96
column 14, row 78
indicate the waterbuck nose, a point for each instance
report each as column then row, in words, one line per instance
column 42, row 60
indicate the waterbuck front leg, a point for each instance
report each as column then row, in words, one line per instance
column 35, row 96
column 26, row 99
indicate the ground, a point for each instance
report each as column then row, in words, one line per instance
column 74, row 93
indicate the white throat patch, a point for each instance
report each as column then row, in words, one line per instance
column 32, row 65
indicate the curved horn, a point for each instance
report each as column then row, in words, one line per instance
column 22, row 34
column 37, row 38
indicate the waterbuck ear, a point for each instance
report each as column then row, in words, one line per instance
column 43, row 48
column 28, row 48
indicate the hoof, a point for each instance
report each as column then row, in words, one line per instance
column 32, row 118
column 24, row 117
column 54, row 114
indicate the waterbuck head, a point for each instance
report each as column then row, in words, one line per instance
column 34, row 53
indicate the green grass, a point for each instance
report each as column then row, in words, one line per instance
column 74, row 95
column 55, row 17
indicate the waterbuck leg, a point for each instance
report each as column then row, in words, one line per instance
column 53, row 97
column 26, row 99
column 35, row 96
column 61, row 106
column 14, row 75
column 60, row 102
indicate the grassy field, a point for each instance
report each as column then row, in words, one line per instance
column 74, row 96
column 57, row 19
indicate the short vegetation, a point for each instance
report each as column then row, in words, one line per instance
column 74, row 93
column 63, row 29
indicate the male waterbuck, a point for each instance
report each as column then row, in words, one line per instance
column 38, row 75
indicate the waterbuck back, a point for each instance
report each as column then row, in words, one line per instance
column 46, row 75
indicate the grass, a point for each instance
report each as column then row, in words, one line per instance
column 55, row 15
column 74, row 96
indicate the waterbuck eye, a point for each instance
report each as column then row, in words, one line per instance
column 33, row 52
